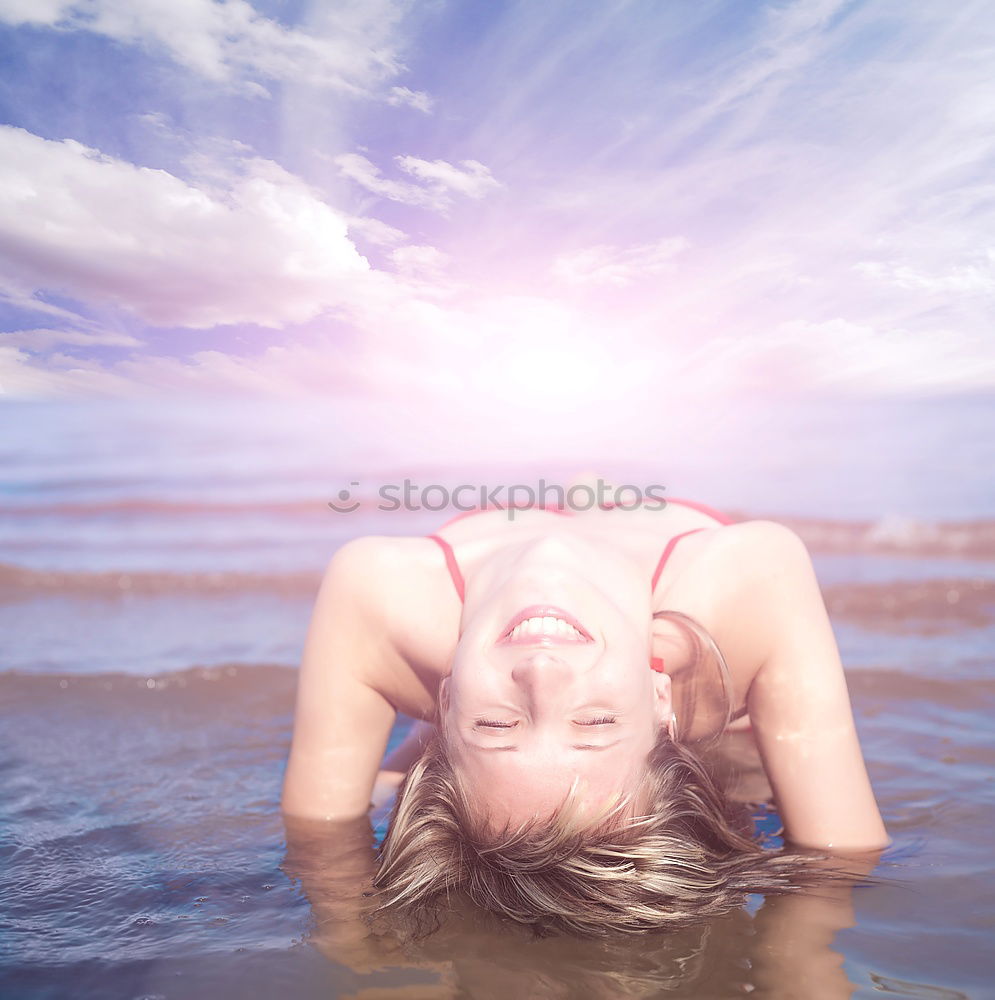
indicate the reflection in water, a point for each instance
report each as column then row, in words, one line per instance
column 784, row 950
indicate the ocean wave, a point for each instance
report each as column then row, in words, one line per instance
column 898, row 536
column 890, row 533
column 892, row 686
column 925, row 607
column 267, row 684
column 126, row 506
column 18, row 582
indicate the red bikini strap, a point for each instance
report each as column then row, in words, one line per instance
column 656, row 662
column 451, row 565
column 666, row 555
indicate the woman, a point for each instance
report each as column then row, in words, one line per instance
column 570, row 664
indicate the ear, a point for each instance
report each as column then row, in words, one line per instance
column 664, row 704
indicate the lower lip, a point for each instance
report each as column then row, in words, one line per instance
column 542, row 611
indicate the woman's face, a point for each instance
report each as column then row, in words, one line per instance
column 551, row 685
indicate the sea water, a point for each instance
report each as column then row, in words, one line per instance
column 158, row 563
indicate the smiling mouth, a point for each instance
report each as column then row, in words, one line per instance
column 541, row 623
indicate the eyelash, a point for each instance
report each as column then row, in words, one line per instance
column 601, row 720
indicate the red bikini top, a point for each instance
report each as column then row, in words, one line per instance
column 656, row 663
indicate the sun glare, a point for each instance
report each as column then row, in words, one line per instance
column 541, row 357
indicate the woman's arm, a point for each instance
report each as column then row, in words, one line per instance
column 341, row 723
column 799, row 704
column 396, row 764
column 410, row 748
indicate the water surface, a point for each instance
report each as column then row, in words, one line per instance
column 157, row 568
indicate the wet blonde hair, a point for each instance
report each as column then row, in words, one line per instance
column 690, row 854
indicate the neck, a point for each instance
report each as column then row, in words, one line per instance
column 560, row 567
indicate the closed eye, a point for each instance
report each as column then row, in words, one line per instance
column 601, row 720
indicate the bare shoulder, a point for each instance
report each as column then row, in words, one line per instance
column 400, row 594
column 757, row 572
column 370, row 568
column 363, row 560
column 759, row 536
column 753, row 554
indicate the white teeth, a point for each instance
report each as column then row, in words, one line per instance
column 545, row 625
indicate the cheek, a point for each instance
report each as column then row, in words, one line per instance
column 462, row 690
column 467, row 657
column 631, row 673
column 460, row 670
column 633, row 695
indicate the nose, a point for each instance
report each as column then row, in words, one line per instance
column 540, row 672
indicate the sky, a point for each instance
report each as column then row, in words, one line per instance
column 519, row 208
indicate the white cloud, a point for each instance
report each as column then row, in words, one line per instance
column 470, row 178
column 610, row 265
column 793, row 36
column 44, row 339
column 841, row 354
column 368, row 175
column 416, row 99
column 276, row 371
column 230, row 42
column 829, row 161
column 400, row 348
column 543, row 356
column 420, row 261
column 832, row 167
column 264, row 250
column 22, row 375
column 440, row 180
column 32, row 11
column 412, row 350
column 23, row 296
column 966, row 279
column 376, row 232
